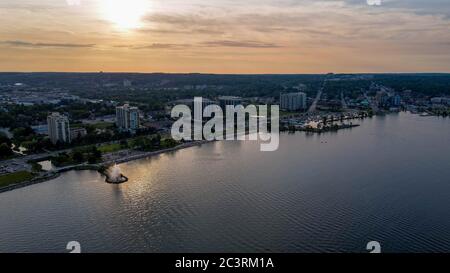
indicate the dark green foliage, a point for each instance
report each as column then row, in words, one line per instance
column 5, row 151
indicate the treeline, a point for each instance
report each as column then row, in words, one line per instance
column 5, row 147
column 152, row 143
column 425, row 84
column 90, row 154
column 15, row 116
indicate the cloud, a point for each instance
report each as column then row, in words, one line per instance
column 184, row 31
column 420, row 7
column 247, row 44
column 19, row 43
column 286, row 35
column 185, row 24
column 154, row 46
column 218, row 43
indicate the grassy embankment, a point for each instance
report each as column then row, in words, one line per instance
column 14, row 178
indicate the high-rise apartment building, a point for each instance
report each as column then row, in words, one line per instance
column 127, row 118
column 58, row 128
column 293, row 101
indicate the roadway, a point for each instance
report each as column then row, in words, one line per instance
column 313, row 106
column 344, row 104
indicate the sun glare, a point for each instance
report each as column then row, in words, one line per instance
column 125, row 14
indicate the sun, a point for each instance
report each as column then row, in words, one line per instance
column 125, row 14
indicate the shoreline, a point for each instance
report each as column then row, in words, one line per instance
column 48, row 177
column 96, row 167
column 154, row 153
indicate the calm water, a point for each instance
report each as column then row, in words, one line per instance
column 388, row 180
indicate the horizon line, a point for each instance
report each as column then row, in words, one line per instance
column 209, row 73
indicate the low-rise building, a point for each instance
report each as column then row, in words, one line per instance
column 77, row 133
column 440, row 100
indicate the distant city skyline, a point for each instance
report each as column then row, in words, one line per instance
column 225, row 36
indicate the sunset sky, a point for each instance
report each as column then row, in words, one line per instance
column 225, row 36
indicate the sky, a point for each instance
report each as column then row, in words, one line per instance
column 225, row 36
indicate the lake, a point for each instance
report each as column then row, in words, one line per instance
column 387, row 180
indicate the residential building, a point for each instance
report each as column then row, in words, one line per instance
column 127, row 118
column 58, row 128
column 77, row 133
column 293, row 101
column 440, row 100
column 396, row 100
column 383, row 99
column 127, row 83
column 229, row 100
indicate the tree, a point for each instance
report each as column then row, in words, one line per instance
column 123, row 143
column 96, row 152
column 156, row 140
column 36, row 167
column 32, row 146
column 92, row 159
column 169, row 143
column 5, row 150
column 95, row 155
column 23, row 132
column 78, row 156
column 138, row 142
column 4, row 139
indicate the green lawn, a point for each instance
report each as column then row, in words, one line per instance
column 109, row 148
column 14, row 178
